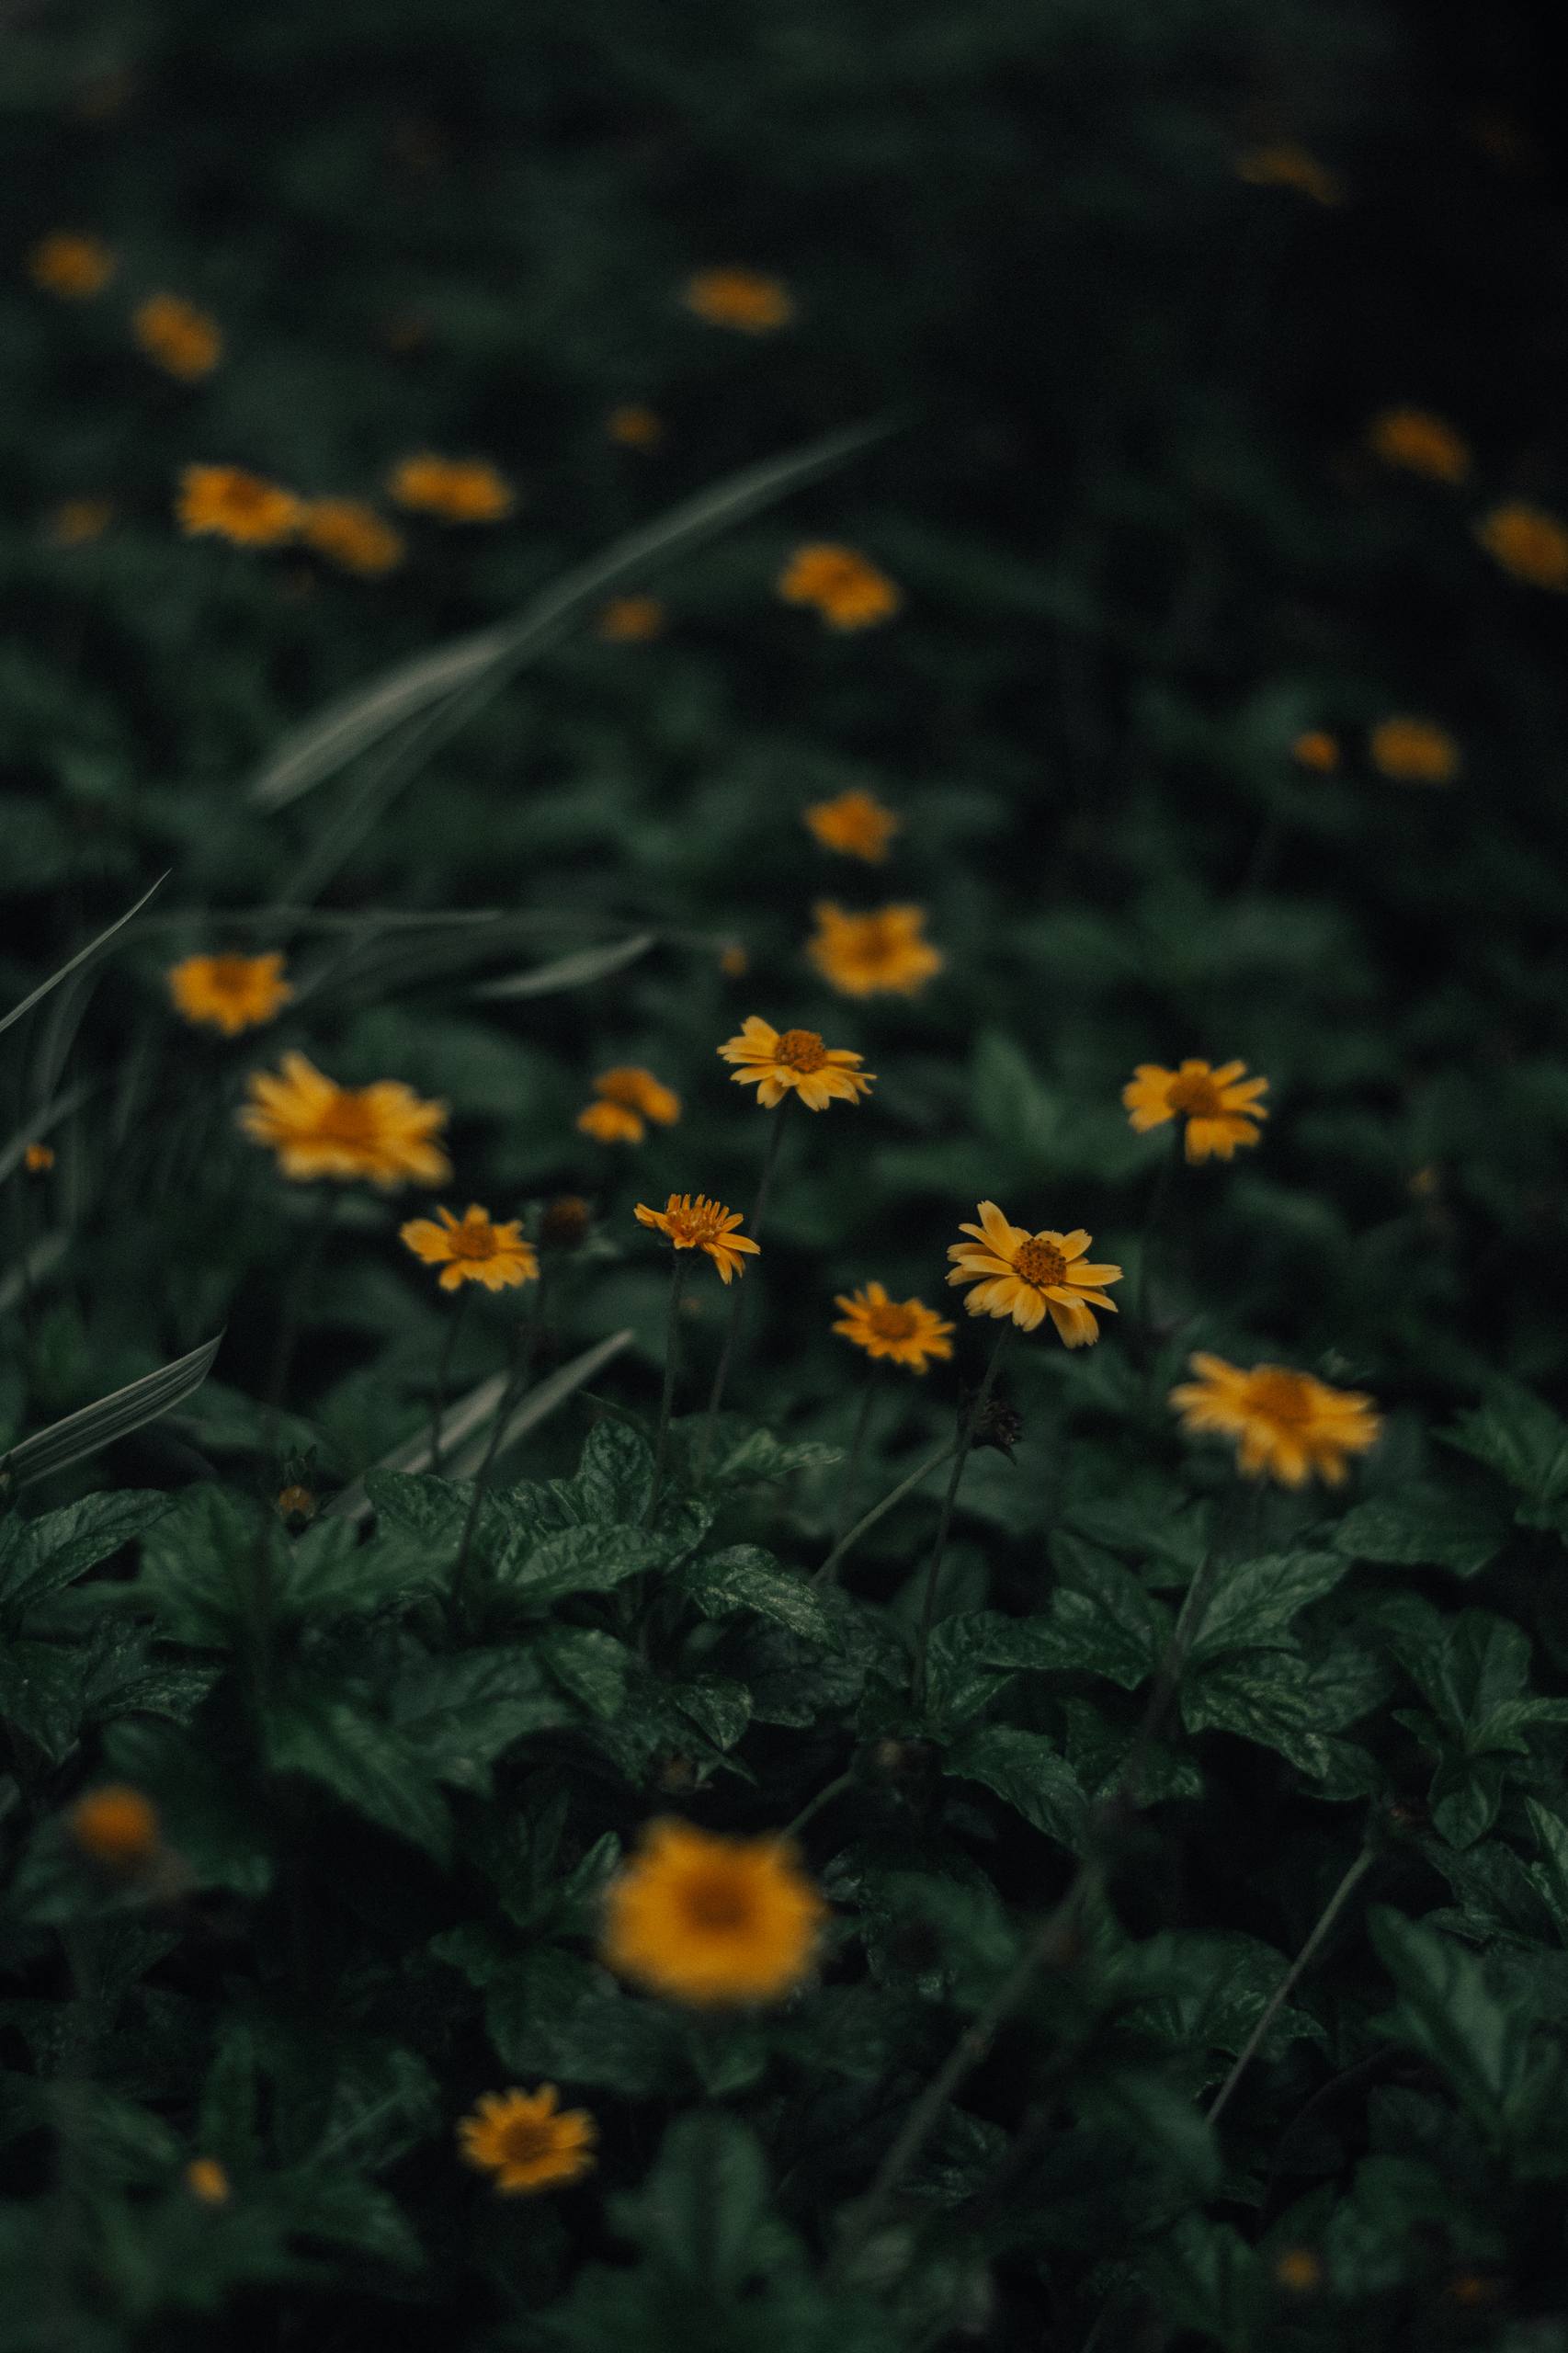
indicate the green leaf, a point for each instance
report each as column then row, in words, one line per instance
column 458, row 1715
column 1516, row 1434
column 558, row 2019
column 746, row 1454
column 593, row 1559
column 1254, row 1605
column 46, row 1553
column 1210, row 2282
column 593, row 1667
column 1259, row 1703
column 43, row 1694
column 1464, row 1798
column 1550, row 1875
column 1103, row 1621
column 370, row 1767
column 1465, row 1667
column 1449, row 2013
column 82, row 956
column 746, row 1578
column 720, row 1708
column 705, row 2211
column 1030, row 1773
column 1440, row 1529
column 612, row 1482
column 110, row 1419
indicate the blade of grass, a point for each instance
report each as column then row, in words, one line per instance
column 30, row 1270
column 572, row 972
column 34, row 1130
column 541, row 1402
column 83, row 954
column 114, row 1417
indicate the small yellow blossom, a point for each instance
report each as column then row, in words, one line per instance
column 529, row 2141
column 177, row 337
column 382, row 1133
column 845, row 588
column 702, row 1225
column 118, row 1827
column 230, row 504
column 713, row 1921
column 1221, row 1109
column 76, row 521
column 296, row 1506
column 455, row 490
column 856, row 823
column 905, row 1331
column 208, row 2181
column 1286, row 1425
column 229, row 993
column 1528, row 542
column 1420, row 443
column 472, row 1249
column 1029, row 1276
column 883, row 953
column 742, row 299
column 626, row 1099
column 1316, row 749
column 38, row 1159
column 1414, row 751
column 353, row 536
column 1285, row 165
column 634, row 426
column 74, row 266
column 778, row 1063
column 631, row 620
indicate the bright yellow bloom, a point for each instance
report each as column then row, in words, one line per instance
column 1284, row 164
column 1031, row 1276
column 776, row 1063
column 353, row 536
column 470, row 1249
column 529, row 2141
column 742, row 298
column 1415, row 751
column 1221, row 1109
column 628, row 1097
column 856, row 823
column 906, row 1331
column 208, row 2181
column 847, row 588
column 1317, row 750
column 74, row 266
column 457, row 490
column 711, row 1921
column 38, row 1159
column 177, row 337
column 1528, row 542
column 229, row 993
column 117, row 1826
column 631, row 620
column 1286, row 1425
column 231, row 504
column 76, row 521
column 702, row 1225
column 883, row 953
column 382, row 1133
column 1421, row 443
column 634, row 426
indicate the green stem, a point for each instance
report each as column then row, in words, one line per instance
column 851, row 1478
column 666, row 1400
column 1282, row 1992
column 810, row 1811
column 868, row 1521
column 301, row 1283
column 1153, row 1225
column 443, row 1371
column 732, row 1332
column 524, row 1340
column 967, row 1427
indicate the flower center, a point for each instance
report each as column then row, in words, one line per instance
column 717, row 1905
column 802, row 1050
column 347, row 1118
column 890, row 1321
column 474, row 1238
column 231, row 975
column 691, row 1227
column 525, row 2139
column 1197, row 1095
column 1283, row 1396
column 1038, row 1263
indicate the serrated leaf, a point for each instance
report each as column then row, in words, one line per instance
column 1444, row 1529
column 746, row 1578
column 1254, row 1606
column 1030, row 1773
column 553, row 2017
column 1257, row 1703
column 591, row 1665
column 364, row 1764
column 1518, row 1435
column 46, row 1553
column 1448, row 2012
column 594, row 1559
column 458, row 1715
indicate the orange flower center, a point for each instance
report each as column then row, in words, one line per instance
column 1282, row 1396
column 693, row 1226
column 231, row 975
column 347, row 1119
column 892, row 1322
column 1041, row 1264
column 474, row 1238
column 801, row 1050
column 1196, row 1094
column 524, row 2140
column 716, row 1904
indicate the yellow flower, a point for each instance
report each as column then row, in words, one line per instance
column 231, row 504
column 529, row 2141
column 1415, row 751
column 38, row 1159
column 634, row 426
column 1316, row 749
column 1284, row 164
column 702, row 1225
column 208, row 2181
column 318, row 1129
column 627, row 1098
column 1286, row 1425
column 177, row 337
column 1528, row 542
column 847, row 588
column 881, row 953
column 118, row 1827
column 709, row 1920
column 629, row 620
column 742, row 299
column 229, row 993
column 352, row 534
column 733, row 961
column 74, row 266
column 906, row 1331
column 776, row 1063
column 856, row 823
column 1220, row 1107
column 1298, row 2269
column 472, row 1249
column 1031, row 1276
column 295, row 1506
column 76, row 520
column 458, row 490
column 1420, row 442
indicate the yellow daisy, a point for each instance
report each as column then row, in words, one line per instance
column 1286, row 1425
column 742, row 299
column 856, row 823
column 1420, row 442
column 455, row 490
column 709, row 1920
column 1316, row 749
column 529, row 2141
column 382, row 1133
column 227, row 502
column 228, row 993
column 845, row 588
column 1414, row 751
column 1031, row 1276
column 883, row 953
column 1528, row 542
column 702, row 1225
column 117, row 1826
column 905, row 1331
column 626, row 1099
column 71, row 265
column 470, row 1249
column 353, row 536
column 778, row 1063
column 1221, row 1109
column 177, row 337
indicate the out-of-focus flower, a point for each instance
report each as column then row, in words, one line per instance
column 71, row 265
column 1287, row 1425
column 883, row 953
column 229, row 993
column 845, row 588
column 454, row 490
column 227, row 502
column 856, row 823
column 1414, row 751
column 1220, row 1107
column 383, row 1134
column 1528, row 542
column 1420, row 443
column 177, row 337
column 352, row 536
column 713, row 1921
column 744, row 299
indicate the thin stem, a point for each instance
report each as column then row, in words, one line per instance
column 851, row 1478
column 301, row 1284
column 814, row 1806
column 1282, row 1992
column 732, row 1332
column 967, row 1427
column 868, row 1521
column 524, row 1340
column 1154, row 1226
column 667, row 1396
column 443, row 1369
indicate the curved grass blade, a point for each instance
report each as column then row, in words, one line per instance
column 33, row 1131
column 80, row 956
column 31, row 1272
column 540, row 1403
column 111, row 1417
column 574, row 972
column 355, row 721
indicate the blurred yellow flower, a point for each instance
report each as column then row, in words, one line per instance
column 1031, row 1276
column 631, row 620
column 73, row 266
column 177, row 337
column 1420, row 442
column 845, row 588
column 472, row 1249
column 702, row 1225
column 713, row 1921
column 634, row 426
column 38, row 1159
column 1316, row 749
column 778, row 1063
column 856, row 823
column 742, row 299
column 117, row 1826
column 1299, row 2269
column 626, row 1099
column 529, row 2141
column 733, row 961
column 1221, row 1109
column 456, row 490
column 1528, row 542
column 228, row 993
column 227, row 502
column 884, row 953
column 76, row 521
column 383, row 1133
column 905, row 1331
column 207, row 2182
column 1285, row 165
column 1414, row 751
column 1286, row 1425
column 352, row 534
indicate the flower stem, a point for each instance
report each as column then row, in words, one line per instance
column 851, row 1478
column 814, row 1806
column 732, row 1330
column 1154, row 1228
column 302, row 1283
column 868, row 1521
column 1323, row 1923
column 525, row 1342
column 967, row 1424
column 438, row 1402
column 666, row 1400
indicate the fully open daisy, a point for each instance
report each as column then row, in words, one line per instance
column 383, row 1134
column 1220, row 1107
column 884, row 953
column 1029, row 1276
column 906, row 1331
column 1287, row 1425
column 709, row 1920
column 699, row 1224
column 528, row 2141
column 472, row 1249
column 783, row 1061
column 626, row 1099
column 228, row 993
